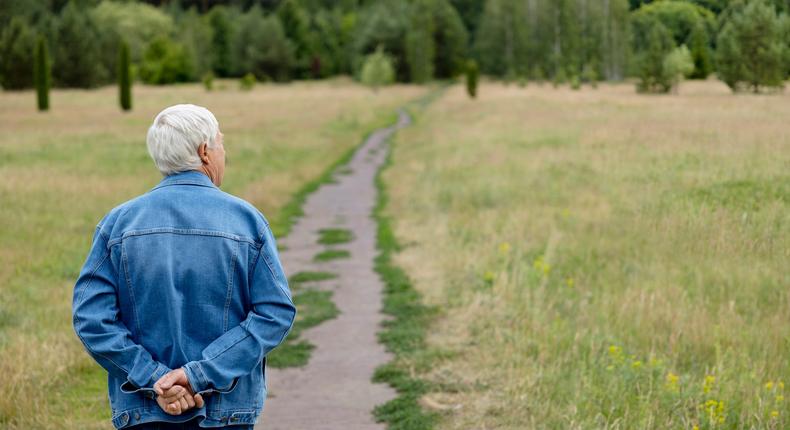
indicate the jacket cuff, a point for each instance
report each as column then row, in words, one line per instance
column 144, row 384
column 200, row 384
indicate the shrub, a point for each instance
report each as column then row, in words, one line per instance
column 208, row 81
column 247, row 82
column 378, row 69
column 590, row 75
column 165, row 62
column 678, row 64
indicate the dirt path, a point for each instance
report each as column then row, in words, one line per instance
column 334, row 390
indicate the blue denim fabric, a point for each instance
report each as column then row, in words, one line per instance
column 189, row 276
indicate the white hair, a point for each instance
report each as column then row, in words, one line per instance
column 176, row 134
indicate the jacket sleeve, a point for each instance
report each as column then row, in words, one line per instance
column 96, row 321
column 239, row 350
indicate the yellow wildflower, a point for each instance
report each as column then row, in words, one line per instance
column 769, row 385
column 504, row 248
column 774, row 414
column 672, row 382
column 780, row 398
column 542, row 266
column 636, row 364
column 569, row 282
column 708, row 384
column 489, row 276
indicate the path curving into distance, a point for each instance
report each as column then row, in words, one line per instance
column 334, row 390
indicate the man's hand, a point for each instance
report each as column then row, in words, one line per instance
column 175, row 395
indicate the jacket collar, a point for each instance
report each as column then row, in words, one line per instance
column 187, row 177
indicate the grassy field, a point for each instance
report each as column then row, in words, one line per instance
column 601, row 259
column 63, row 170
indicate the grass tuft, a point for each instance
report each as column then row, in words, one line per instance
column 334, row 236
column 313, row 308
column 331, row 254
column 303, row 277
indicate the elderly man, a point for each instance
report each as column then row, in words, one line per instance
column 182, row 294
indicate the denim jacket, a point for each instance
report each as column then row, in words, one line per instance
column 184, row 275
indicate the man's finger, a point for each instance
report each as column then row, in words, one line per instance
column 184, row 404
column 167, row 381
column 190, row 401
column 173, row 393
column 198, row 400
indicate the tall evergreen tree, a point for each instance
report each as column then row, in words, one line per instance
column 383, row 24
column 657, row 45
column 16, row 64
column 296, row 22
column 700, row 51
column 262, row 47
column 221, row 41
column 42, row 74
column 77, row 56
column 751, row 52
column 420, row 47
column 124, row 77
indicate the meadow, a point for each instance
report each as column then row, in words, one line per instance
column 63, row 170
column 599, row 258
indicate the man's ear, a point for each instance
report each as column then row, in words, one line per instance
column 203, row 153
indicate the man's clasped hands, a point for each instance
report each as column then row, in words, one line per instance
column 174, row 394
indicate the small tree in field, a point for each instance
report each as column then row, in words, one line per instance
column 247, row 82
column 750, row 48
column 377, row 69
column 678, row 64
column 124, row 77
column 42, row 74
column 700, row 52
column 659, row 43
column 472, row 73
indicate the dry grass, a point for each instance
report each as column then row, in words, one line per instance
column 62, row 171
column 588, row 247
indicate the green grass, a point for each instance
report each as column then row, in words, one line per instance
column 311, row 276
column 404, row 335
column 334, row 236
column 331, row 254
column 601, row 259
column 313, row 308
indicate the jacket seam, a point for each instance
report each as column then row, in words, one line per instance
column 77, row 319
column 125, row 263
column 181, row 231
column 229, row 294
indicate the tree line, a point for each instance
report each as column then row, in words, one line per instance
column 746, row 43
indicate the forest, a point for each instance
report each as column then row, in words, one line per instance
column 745, row 43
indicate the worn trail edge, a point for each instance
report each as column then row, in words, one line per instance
column 334, row 390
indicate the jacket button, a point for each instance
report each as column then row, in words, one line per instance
column 137, row 416
column 125, row 418
column 234, row 419
column 224, row 419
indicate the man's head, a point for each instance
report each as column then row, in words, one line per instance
column 187, row 137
